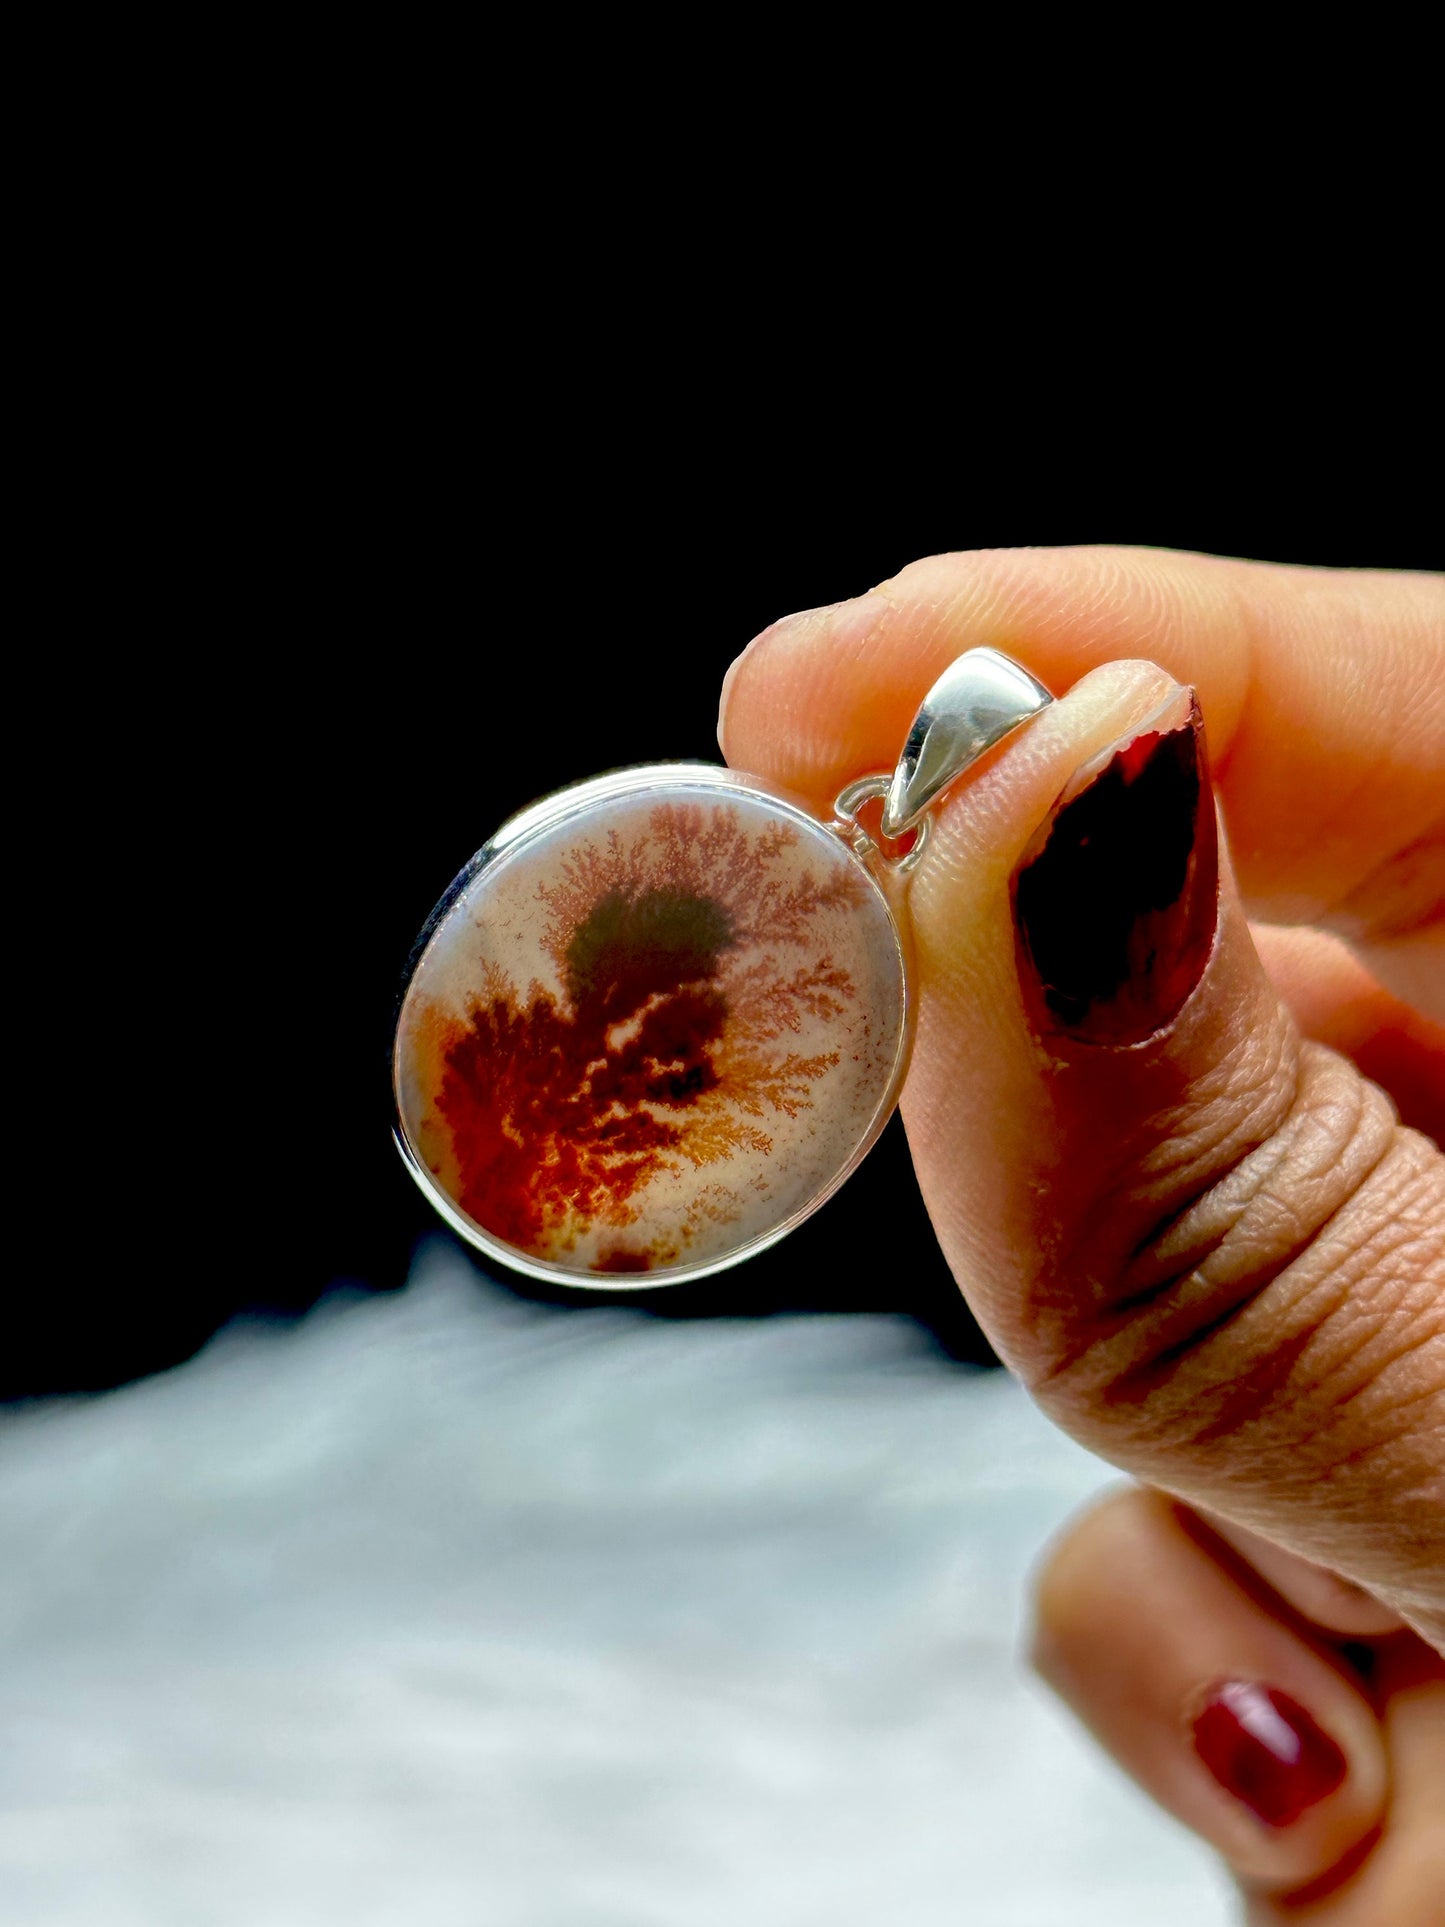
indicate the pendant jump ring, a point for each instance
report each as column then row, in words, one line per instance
column 845, row 807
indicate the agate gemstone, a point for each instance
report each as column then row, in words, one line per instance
column 652, row 1026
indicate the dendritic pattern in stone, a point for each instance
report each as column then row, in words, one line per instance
column 651, row 1035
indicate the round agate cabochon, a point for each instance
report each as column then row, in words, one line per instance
column 653, row 1025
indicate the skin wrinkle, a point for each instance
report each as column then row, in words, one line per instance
column 1365, row 1368
column 1248, row 672
column 1391, row 1355
column 1369, row 1126
column 1397, row 913
column 1174, row 1237
column 1177, row 1334
column 1402, row 1320
column 1252, row 1143
column 1215, row 1208
column 1422, row 1395
column 1182, row 1243
column 1307, row 1316
column 1399, row 896
column 1251, row 1097
column 1246, row 1191
column 1345, row 1462
column 1373, row 1467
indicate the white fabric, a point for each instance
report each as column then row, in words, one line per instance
column 445, row 1610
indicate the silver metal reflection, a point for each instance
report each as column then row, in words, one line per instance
column 974, row 704
column 845, row 820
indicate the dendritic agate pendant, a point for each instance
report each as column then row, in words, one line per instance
column 658, row 1019
column 662, row 1015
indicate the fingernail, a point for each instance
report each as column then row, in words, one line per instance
column 1266, row 1750
column 1116, row 898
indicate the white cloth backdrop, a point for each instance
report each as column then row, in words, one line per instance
column 446, row 1610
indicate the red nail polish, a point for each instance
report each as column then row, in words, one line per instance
column 1264, row 1748
column 1117, row 897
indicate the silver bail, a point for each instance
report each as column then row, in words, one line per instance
column 974, row 704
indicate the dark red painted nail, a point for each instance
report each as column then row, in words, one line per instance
column 1117, row 897
column 1264, row 1748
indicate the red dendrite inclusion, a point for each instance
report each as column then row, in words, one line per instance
column 668, row 1048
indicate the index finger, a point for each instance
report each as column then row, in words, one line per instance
column 1323, row 692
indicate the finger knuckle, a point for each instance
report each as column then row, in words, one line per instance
column 1295, row 1309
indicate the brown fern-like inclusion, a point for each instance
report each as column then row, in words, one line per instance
column 668, row 1046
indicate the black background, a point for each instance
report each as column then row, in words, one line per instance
column 382, row 573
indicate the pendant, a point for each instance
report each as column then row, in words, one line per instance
column 662, row 1015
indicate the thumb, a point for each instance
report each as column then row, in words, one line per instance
column 1206, row 1245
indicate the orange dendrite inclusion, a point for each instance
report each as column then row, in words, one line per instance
column 642, row 1045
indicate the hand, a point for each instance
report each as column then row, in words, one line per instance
column 1183, row 1168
